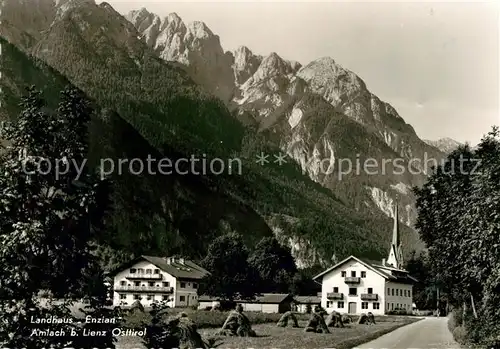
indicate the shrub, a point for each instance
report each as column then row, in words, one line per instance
column 455, row 319
column 460, row 334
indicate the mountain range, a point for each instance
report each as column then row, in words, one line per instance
column 163, row 88
column 446, row 145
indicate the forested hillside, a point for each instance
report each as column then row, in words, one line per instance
column 148, row 107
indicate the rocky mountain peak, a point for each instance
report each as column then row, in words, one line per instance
column 200, row 30
column 245, row 64
column 446, row 144
column 193, row 45
column 272, row 66
column 140, row 18
column 338, row 86
column 325, row 70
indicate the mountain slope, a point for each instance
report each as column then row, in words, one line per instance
column 149, row 107
column 269, row 90
column 143, row 204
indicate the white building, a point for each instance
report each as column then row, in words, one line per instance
column 305, row 303
column 155, row 279
column 263, row 303
column 357, row 286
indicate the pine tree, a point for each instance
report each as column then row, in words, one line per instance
column 50, row 208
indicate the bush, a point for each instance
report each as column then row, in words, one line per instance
column 460, row 334
column 455, row 319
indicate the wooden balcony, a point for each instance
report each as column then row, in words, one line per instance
column 137, row 276
column 369, row 296
column 148, row 289
column 352, row 280
column 334, row 295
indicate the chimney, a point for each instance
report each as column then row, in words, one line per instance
column 168, row 260
column 383, row 262
column 181, row 261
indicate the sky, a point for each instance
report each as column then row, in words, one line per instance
column 436, row 63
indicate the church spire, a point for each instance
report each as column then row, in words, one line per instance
column 395, row 229
column 395, row 258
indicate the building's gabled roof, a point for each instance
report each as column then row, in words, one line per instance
column 369, row 266
column 263, row 298
column 185, row 270
column 385, row 272
column 307, row 299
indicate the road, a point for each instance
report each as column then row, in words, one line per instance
column 431, row 332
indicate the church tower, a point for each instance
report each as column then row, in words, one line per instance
column 396, row 252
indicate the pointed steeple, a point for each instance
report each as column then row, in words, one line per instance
column 395, row 229
column 395, row 258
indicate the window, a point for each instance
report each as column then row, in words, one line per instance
column 133, row 270
column 392, row 306
column 165, row 297
column 157, row 271
column 335, row 290
column 183, row 285
column 123, row 296
column 353, row 274
column 137, row 283
column 166, row 284
column 140, row 271
column 392, row 291
column 353, row 291
column 137, row 297
column 123, row 283
column 343, row 273
column 370, row 290
column 195, row 285
column 397, row 292
column 149, row 297
column 149, row 271
column 376, row 305
column 329, row 304
column 388, row 306
column 388, row 291
column 405, row 292
column 151, row 283
column 340, row 305
column 364, row 305
column 182, row 298
column 409, row 293
column 363, row 274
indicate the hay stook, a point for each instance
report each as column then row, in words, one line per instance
column 334, row 320
column 366, row 319
column 237, row 324
column 316, row 324
column 288, row 316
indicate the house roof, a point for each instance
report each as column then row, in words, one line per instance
column 307, row 299
column 264, row 298
column 185, row 270
column 384, row 271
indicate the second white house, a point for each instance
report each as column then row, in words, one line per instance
column 357, row 286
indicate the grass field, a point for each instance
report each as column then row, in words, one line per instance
column 270, row 336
